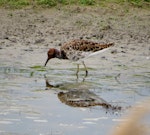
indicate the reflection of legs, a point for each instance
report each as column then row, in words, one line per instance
column 85, row 68
column 48, row 85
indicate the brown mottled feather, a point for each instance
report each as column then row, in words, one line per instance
column 84, row 45
column 79, row 49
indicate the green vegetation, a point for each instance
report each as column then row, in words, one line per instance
column 38, row 68
column 14, row 3
column 52, row 3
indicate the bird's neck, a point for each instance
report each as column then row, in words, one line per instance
column 60, row 54
column 57, row 54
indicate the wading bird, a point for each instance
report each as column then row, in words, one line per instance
column 77, row 50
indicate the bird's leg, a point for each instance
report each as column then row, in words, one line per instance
column 77, row 70
column 86, row 71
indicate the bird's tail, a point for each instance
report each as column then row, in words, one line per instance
column 103, row 46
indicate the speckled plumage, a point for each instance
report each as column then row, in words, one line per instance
column 79, row 49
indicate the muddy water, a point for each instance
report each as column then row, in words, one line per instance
column 29, row 107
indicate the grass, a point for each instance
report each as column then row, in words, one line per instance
column 14, row 3
column 52, row 3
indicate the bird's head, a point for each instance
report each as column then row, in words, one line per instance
column 52, row 53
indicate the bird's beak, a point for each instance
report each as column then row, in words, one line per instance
column 46, row 62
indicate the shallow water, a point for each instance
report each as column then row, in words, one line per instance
column 28, row 107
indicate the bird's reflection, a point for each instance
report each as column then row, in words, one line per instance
column 80, row 97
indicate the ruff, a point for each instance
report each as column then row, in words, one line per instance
column 77, row 50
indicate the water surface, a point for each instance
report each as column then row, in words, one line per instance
column 29, row 107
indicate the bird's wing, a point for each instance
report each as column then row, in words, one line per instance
column 86, row 46
column 80, row 49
